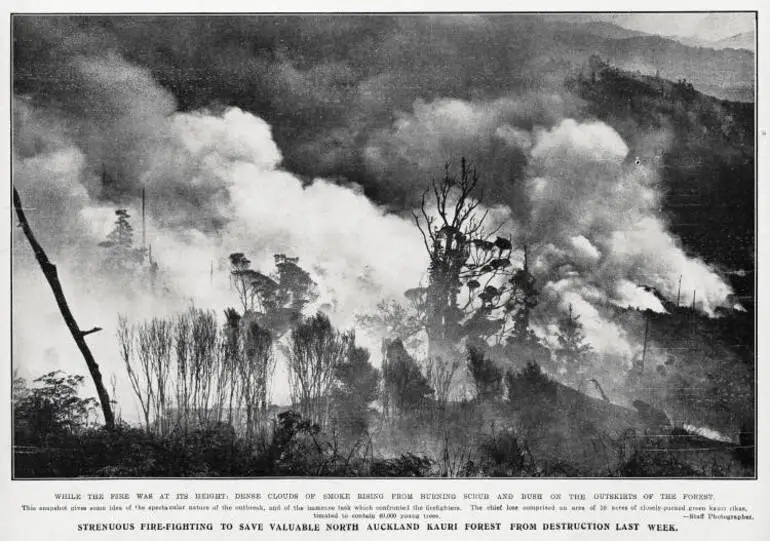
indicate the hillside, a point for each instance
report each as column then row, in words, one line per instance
column 722, row 72
column 707, row 166
column 565, row 427
column 567, row 433
column 707, row 162
column 604, row 29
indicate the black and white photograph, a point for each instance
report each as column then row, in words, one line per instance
column 338, row 245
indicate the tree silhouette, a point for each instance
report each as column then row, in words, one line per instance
column 573, row 351
column 255, row 371
column 522, row 299
column 49, row 408
column 51, row 274
column 405, row 388
column 487, row 376
column 123, row 233
column 277, row 300
column 356, row 387
column 241, row 278
column 473, row 292
column 229, row 389
column 122, row 256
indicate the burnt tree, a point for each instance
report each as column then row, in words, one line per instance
column 52, row 276
column 473, row 291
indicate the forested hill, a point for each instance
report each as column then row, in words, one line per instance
column 704, row 147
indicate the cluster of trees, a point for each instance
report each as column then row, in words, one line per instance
column 57, row 434
column 186, row 371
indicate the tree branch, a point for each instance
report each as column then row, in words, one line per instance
column 90, row 331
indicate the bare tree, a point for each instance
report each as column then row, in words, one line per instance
column 126, row 338
column 255, row 369
column 203, row 368
column 154, row 346
column 228, row 394
column 145, row 350
column 52, row 276
column 183, row 350
column 196, row 336
column 315, row 349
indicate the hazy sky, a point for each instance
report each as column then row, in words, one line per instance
column 704, row 26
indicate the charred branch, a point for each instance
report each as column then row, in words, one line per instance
column 90, row 331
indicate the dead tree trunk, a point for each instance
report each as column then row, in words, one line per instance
column 51, row 274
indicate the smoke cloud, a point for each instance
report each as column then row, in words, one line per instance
column 590, row 213
column 198, row 169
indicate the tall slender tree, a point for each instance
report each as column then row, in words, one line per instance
column 52, row 276
column 122, row 257
column 255, row 370
column 356, row 387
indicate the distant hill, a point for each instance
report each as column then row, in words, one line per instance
column 719, row 69
column 607, row 30
column 744, row 40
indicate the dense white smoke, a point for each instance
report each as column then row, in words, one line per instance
column 587, row 208
column 597, row 213
column 199, row 169
column 215, row 185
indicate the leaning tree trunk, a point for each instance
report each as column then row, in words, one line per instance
column 51, row 274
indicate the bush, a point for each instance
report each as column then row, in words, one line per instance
column 529, row 382
column 501, row 456
column 487, row 376
column 50, row 409
column 658, row 464
column 407, row 465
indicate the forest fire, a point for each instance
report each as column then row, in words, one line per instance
column 487, row 327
